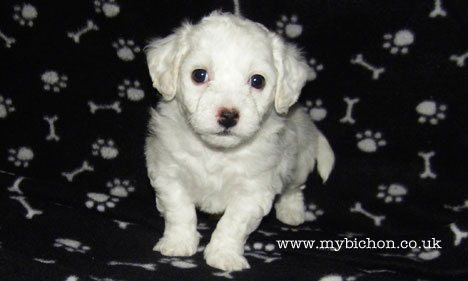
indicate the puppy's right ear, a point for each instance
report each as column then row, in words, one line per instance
column 164, row 57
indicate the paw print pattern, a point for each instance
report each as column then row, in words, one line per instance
column 313, row 212
column 71, row 246
column 105, row 149
column 6, row 107
column 25, row 14
column 316, row 110
column 399, row 42
column 53, row 81
column 120, row 188
column 109, row 8
column 100, row 201
column 370, row 142
column 315, row 67
column 131, row 90
column 21, row 157
column 431, row 112
column 126, row 49
column 179, row 262
column 289, row 26
column 392, row 193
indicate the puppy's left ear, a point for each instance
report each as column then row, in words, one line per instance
column 164, row 57
column 293, row 72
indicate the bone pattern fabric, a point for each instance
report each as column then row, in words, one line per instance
column 389, row 92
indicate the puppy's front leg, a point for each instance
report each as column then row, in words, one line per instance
column 180, row 236
column 226, row 248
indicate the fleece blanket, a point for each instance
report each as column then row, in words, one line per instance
column 389, row 92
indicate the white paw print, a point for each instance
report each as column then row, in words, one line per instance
column 131, row 91
column 392, row 193
column 316, row 110
column 105, row 149
column 289, row 26
column 425, row 254
column 126, row 49
column 179, row 262
column 313, row 212
column 315, row 68
column 369, row 141
column 21, row 157
column 398, row 42
column 71, row 245
column 100, row 201
column 120, row 188
column 110, row 8
column 431, row 112
column 25, row 14
column 53, row 81
column 6, row 107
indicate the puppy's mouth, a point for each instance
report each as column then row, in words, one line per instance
column 224, row 133
column 222, row 139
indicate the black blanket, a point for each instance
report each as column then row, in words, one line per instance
column 389, row 93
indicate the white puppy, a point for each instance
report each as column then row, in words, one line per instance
column 222, row 139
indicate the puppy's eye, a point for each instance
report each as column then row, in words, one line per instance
column 257, row 81
column 200, row 76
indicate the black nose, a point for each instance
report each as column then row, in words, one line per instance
column 228, row 117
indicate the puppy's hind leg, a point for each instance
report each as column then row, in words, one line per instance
column 290, row 208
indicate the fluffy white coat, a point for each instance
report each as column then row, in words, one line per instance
column 195, row 161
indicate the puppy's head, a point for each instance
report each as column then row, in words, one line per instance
column 226, row 73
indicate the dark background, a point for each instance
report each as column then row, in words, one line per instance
column 333, row 32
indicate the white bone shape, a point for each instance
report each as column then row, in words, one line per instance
column 84, row 167
column 438, row 10
column 52, row 135
column 31, row 212
column 376, row 71
column 147, row 266
column 9, row 41
column 90, row 25
column 458, row 208
column 93, row 107
column 427, row 173
column 265, row 259
column 348, row 118
column 459, row 59
column 358, row 209
column 459, row 235
column 15, row 187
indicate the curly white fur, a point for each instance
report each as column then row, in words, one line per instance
column 194, row 161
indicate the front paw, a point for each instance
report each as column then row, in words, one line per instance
column 223, row 258
column 177, row 245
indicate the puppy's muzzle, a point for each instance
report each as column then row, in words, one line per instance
column 228, row 117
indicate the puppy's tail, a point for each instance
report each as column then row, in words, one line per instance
column 325, row 157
